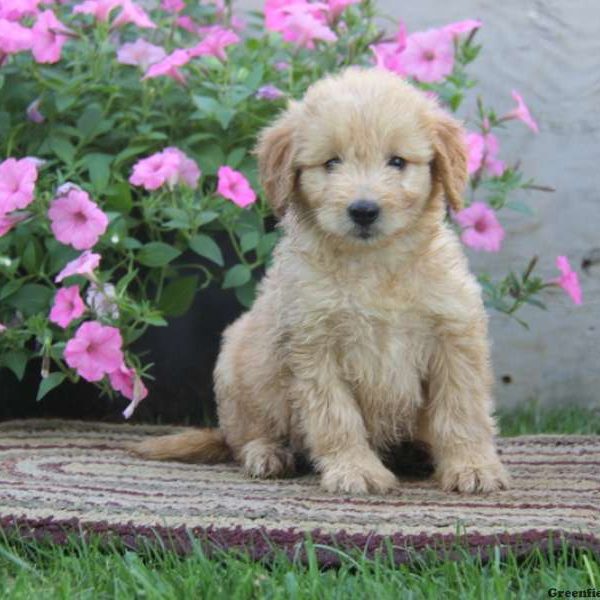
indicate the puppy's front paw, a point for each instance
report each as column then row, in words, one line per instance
column 472, row 478
column 267, row 461
column 358, row 479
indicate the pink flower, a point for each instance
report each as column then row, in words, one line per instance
column 84, row 265
column 388, row 55
column 269, row 92
column 129, row 383
column 234, row 186
column 169, row 66
column 429, row 55
column 298, row 21
column 521, row 112
column 171, row 166
column 132, row 13
column 490, row 157
column 76, row 220
column 15, row 10
column 68, row 306
column 99, row 9
column 281, row 65
column 463, row 27
column 568, row 281
column 140, row 53
column 187, row 170
column 481, row 229
column 7, row 222
column 14, row 37
column 2, row 328
column 187, row 23
column 17, row 183
column 33, row 112
column 475, row 147
column 172, row 6
column 214, row 44
column 337, row 7
column 94, row 351
column 48, row 38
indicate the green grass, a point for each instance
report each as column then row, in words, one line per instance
column 88, row 570
column 532, row 418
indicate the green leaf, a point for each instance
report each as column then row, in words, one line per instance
column 88, row 122
column 249, row 241
column 237, row 276
column 16, row 361
column 206, row 216
column 154, row 320
column 206, row 104
column 224, row 116
column 49, row 383
column 157, row 254
column 235, row 157
column 119, row 198
column 63, row 149
column 246, row 293
column 32, row 298
column 178, row 295
column 98, row 167
column 32, row 256
column 205, row 246
column 10, row 288
column 64, row 101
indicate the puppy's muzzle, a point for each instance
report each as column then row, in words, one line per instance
column 364, row 212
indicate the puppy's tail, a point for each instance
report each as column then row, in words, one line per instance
column 206, row 446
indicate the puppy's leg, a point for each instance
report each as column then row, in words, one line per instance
column 335, row 434
column 457, row 422
column 263, row 459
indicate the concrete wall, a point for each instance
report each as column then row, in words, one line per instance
column 549, row 50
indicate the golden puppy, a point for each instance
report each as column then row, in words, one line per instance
column 368, row 328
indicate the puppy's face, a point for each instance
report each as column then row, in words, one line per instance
column 361, row 156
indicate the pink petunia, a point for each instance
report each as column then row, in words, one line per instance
column 235, row 187
column 129, row 383
column 94, row 351
column 33, row 112
column 298, row 21
column 135, row 14
column 491, row 162
column 85, row 264
column 172, row 6
column 569, row 280
column 214, row 44
column 337, row 7
column 76, row 220
column 48, row 38
column 269, row 92
column 481, row 229
column 463, row 27
column 7, row 222
column 17, row 183
column 187, row 171
column 169, row 66
column 429, row 55
column 140, row 53
column 2, row 328
column 521, row 112
column 475, row 148
column 99, row 9
column 14, row 37
column 67, row 307
column 15, row 10
column 154, row 171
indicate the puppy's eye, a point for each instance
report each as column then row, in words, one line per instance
column 397, row 162
column 331, row 163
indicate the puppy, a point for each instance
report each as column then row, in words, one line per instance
column 368, row 328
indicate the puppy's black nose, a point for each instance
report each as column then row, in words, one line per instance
column 363, row 212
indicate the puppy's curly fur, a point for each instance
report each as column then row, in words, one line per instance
column 362, row 335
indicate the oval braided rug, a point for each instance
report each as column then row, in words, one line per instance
column 57, row 477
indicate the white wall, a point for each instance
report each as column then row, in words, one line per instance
column 549, row 50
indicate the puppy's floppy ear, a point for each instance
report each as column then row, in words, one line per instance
column 449, row 167
column 275, row 152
